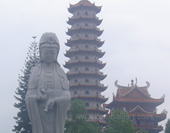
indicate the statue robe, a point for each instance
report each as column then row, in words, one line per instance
column 52, row 121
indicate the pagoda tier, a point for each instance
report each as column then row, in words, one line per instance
column 92, row 19
column 89, row 51
column 91, row 29
column 96, row 98
column 96, row 63
column 92, row 86
column 83, row 40
column 84, row 5
column 137, row 102
column 84, row 65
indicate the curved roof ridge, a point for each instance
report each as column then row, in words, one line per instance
column 139, row 107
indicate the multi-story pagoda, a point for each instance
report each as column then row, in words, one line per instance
column 137, row 102
column 84, row 65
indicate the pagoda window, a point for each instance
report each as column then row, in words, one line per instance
column 87, row 116
column 95, row 69
column 78, row 14
column 96, row 81
column 75, row 92
column 77, row 25
column 87, row 81
column 76, row 58
column 77, row 35
column 87, row 104
column 86, row 25
column 97, row 105
column 86, row 57
column 86, row 46
column 76, row 69
column 87, row 92
column 86, row 69
column 86, row 13
column 97, row 93
column 75, row 81
column 86, row 36
column 98, row 117
column 77, row 47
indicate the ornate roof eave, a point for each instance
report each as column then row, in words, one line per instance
column 99, row 64
column 99, row 75
column 99, row 87
column 160, row 117
column 131, row 88
column 97, row 41
column 72, row 31
column 156, row 102
column 95, row 19
column 99, row 98
column 84, row 4
column 95, row 51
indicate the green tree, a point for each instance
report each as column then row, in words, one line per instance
column 23, row 124
column 119, row 122
column 142, row 131
column 77, row 123
column 167, row 127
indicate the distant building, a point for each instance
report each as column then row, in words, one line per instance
column 137, row 102
column 84, row 65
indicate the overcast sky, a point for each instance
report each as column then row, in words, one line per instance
column 137, row 44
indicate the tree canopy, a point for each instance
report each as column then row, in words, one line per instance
column 23, row 124
column 167, row 127
column 119, row 122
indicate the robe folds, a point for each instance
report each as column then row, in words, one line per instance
column 53, row 120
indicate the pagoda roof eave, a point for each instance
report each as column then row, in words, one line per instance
column 100, row 76
column 156, row 102
column 101, row 88
column 97, row 31
column 84, row 4
column 96, row 20
column 97, row 63
column 71, row 42
column 72, row 52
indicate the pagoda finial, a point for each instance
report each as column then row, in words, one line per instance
column 132, row 82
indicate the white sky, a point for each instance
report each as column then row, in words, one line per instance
column 137, row 44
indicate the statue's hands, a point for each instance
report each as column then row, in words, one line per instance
column 49, row 105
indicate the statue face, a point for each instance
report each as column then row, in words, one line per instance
column 49, row 53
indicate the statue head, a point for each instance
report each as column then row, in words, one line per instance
column 49, row 47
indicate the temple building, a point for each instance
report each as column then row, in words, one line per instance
column 140, row 106
column 84, row 66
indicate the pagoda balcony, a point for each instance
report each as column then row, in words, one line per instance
column 96, row 86
column 81, row 18
column 89, row 29
column 96, row 51
column 98, row 97
column 79, row 40
column 96, row 63
column 82, row 73
column 99, row 109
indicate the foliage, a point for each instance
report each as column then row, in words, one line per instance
column 119, row 122
column 167, row 128
column 22, row 120
column 143, row 131
column 77, row 123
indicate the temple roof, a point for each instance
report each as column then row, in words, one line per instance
column 134, row 94
column 84, row 4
